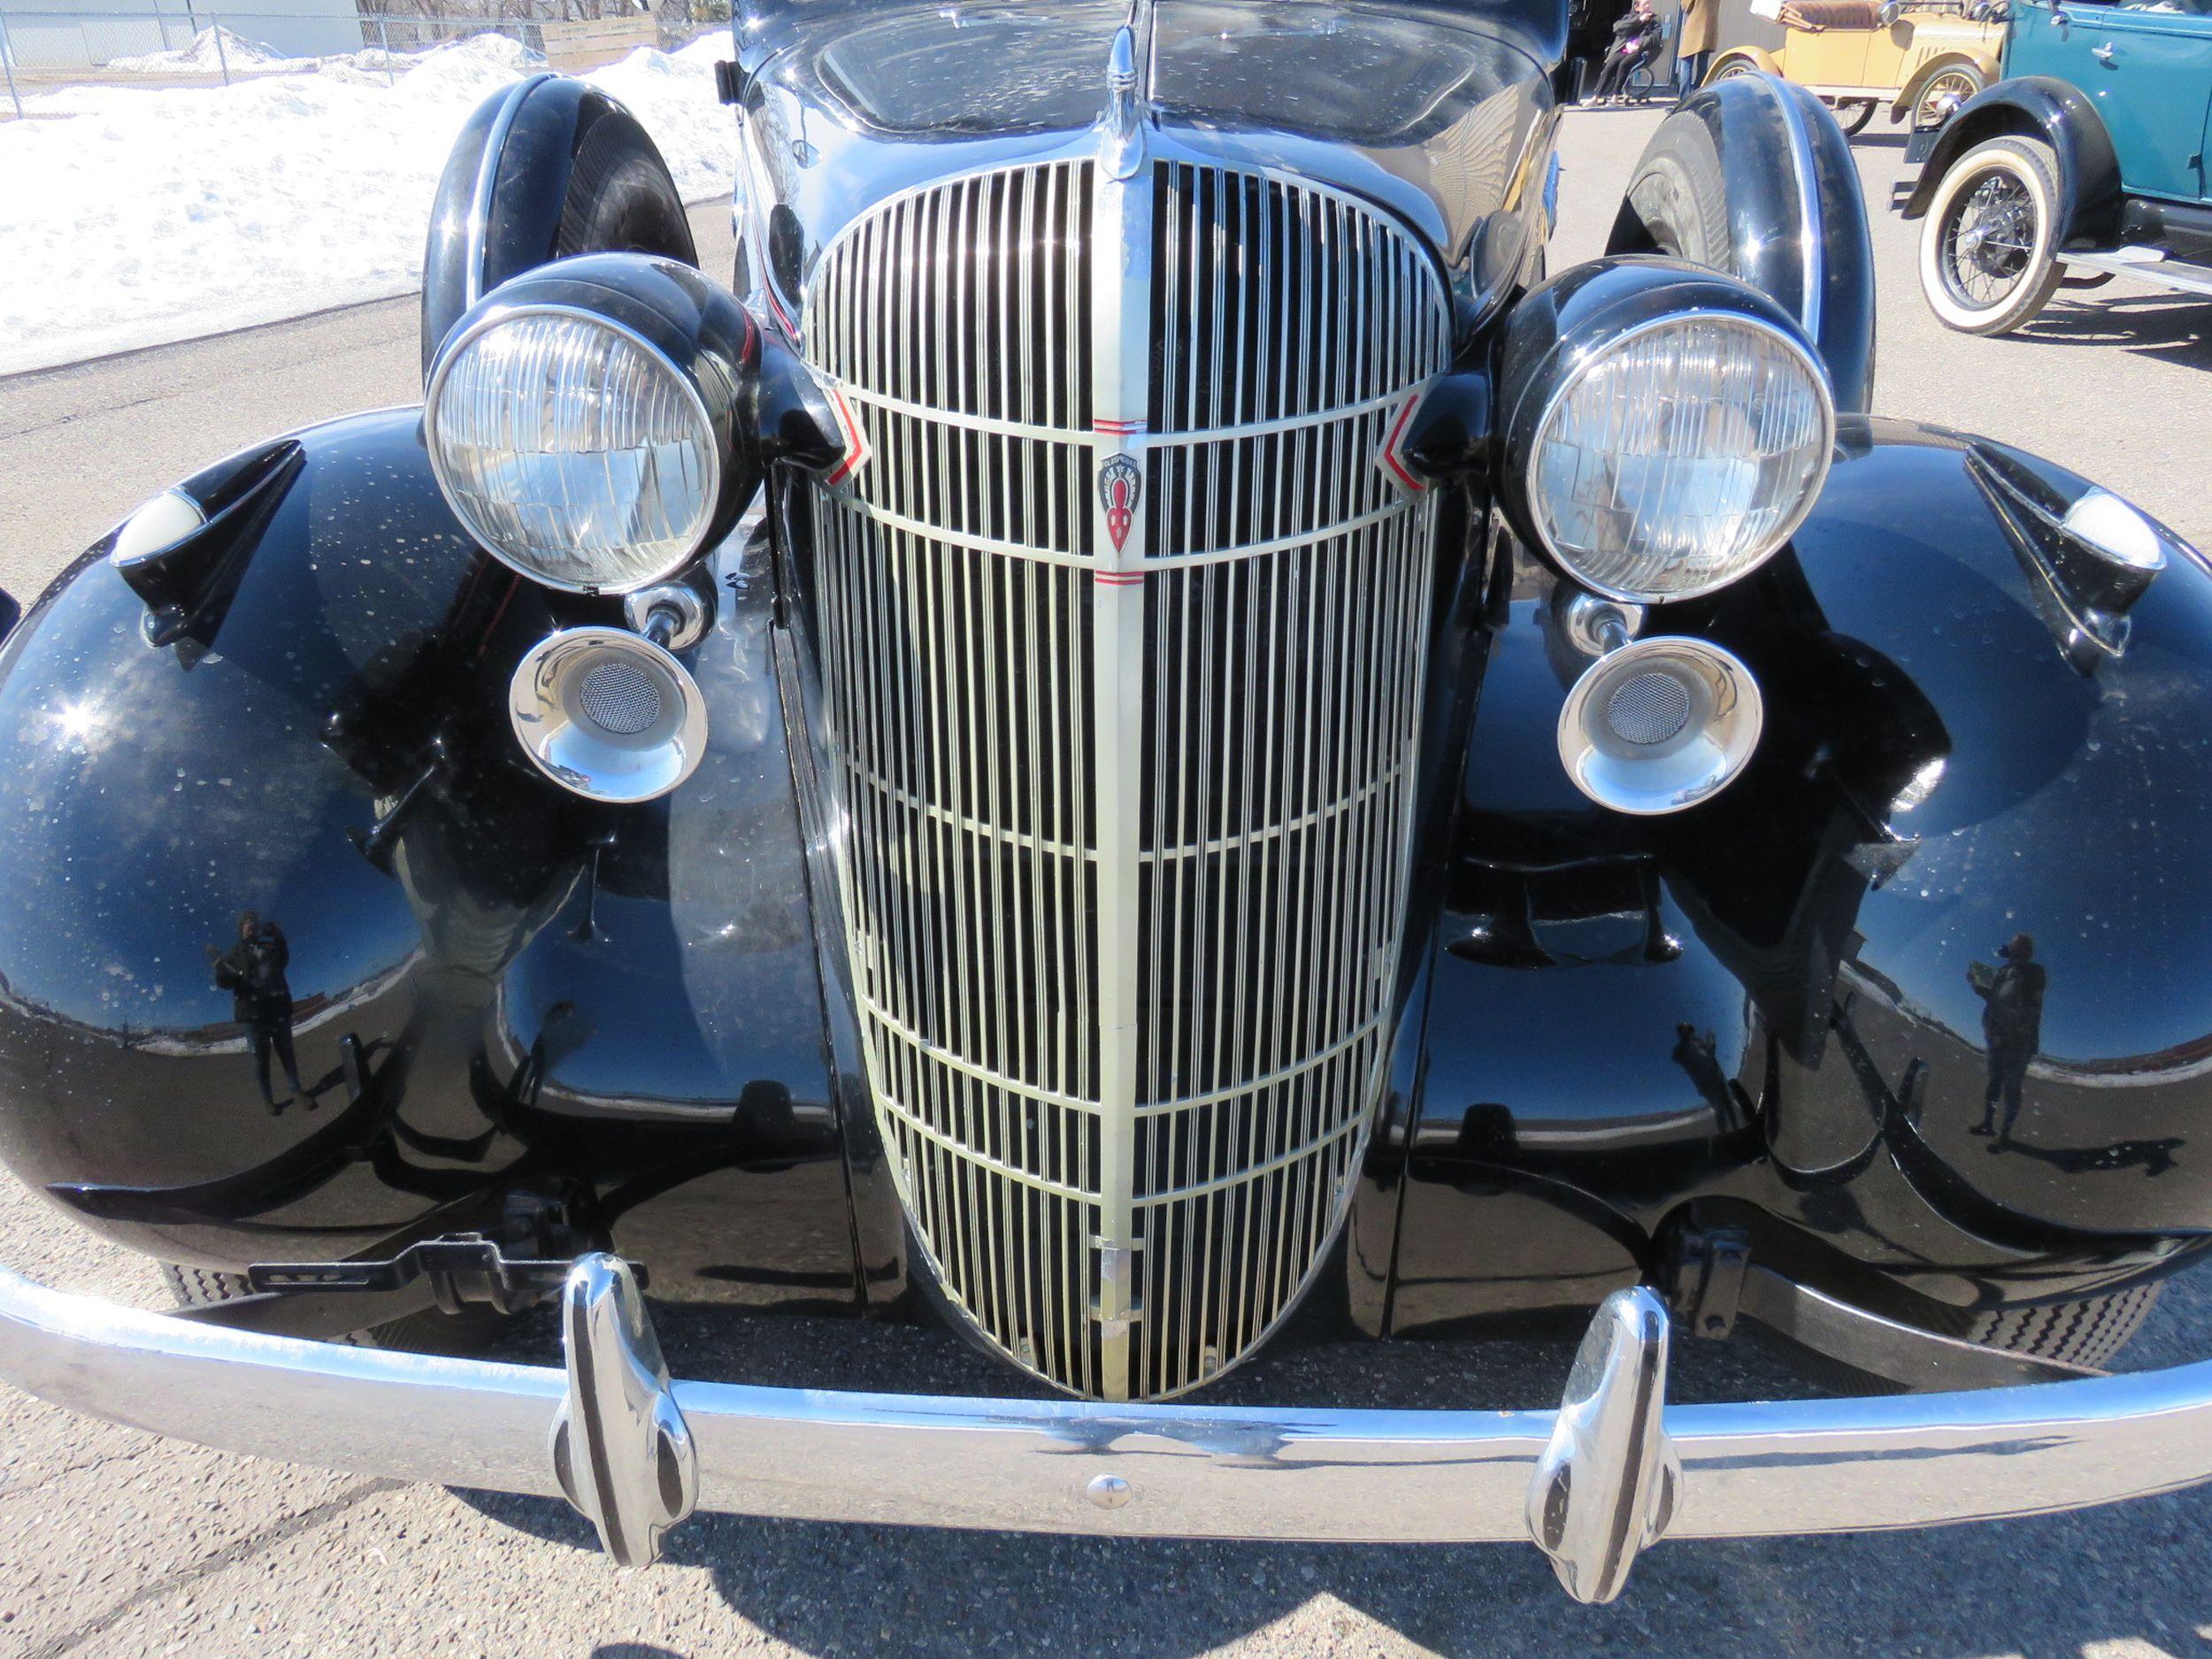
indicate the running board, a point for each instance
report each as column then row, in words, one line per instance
column 2150, row 263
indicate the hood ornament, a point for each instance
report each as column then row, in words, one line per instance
column 1121, row 128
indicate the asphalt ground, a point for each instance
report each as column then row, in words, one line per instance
column 112, row 1542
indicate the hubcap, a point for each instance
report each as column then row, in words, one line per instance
column 1942, row 99
column 1989, row 241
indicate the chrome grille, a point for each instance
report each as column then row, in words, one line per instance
column 1128, row 801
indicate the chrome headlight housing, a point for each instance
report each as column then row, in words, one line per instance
column 582, row 420
column 1666, row 429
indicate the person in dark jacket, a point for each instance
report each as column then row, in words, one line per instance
column 252, row 970
column 1635, row 43
column 2012, row 1026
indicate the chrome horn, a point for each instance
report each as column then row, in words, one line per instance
column 612, row 715
column 1654, row 725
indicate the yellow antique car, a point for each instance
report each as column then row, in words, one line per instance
column 1856, row 55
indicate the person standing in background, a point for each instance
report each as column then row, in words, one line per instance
column 1694, row 48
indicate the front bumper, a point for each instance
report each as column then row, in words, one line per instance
column 1612, row 1469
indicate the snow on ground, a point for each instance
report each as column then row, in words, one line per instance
column 217, row 50
column 134, row 217
column 211, row 51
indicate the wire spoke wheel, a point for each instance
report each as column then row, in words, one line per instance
column 1941, row 98
column 1853, row 114
column 1989, row 241
column 1988, row 258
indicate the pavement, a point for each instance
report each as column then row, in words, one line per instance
column 114, row 1543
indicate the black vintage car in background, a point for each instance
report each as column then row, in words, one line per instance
column 1137, row 730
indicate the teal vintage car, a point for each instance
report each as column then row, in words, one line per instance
column 2086, row 162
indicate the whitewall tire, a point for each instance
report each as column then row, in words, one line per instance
column 1988, row 246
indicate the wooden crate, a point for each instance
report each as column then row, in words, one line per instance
column 573, row 46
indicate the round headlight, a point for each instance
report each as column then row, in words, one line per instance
column 583, row 435
column 1667, row 448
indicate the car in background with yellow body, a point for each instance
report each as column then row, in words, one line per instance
column 1857, row 55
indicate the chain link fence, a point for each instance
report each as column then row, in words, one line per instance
column 194, row 45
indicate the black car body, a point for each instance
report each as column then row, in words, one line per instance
column 1129, row 889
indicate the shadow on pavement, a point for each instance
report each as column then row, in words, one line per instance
column 2175, row 328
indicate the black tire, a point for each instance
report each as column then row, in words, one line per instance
column 1676, row 202
column 1725, row 184
column 1999, row 195
column 621, row 197
column 1853, row 114
column 429, row 1331
column 2090, row 1332
column 576, row 175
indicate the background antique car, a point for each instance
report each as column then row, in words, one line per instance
column 1922, row 61
column 2087, row 161
column 1141, row 741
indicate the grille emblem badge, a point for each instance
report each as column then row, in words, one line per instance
column 1120, row 487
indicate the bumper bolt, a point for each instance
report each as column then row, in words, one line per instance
column 1108, row 1492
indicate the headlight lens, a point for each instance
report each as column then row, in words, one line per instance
column 572, row 449
column 1680, row 454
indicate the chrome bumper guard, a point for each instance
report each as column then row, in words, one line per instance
column 1613, row 1469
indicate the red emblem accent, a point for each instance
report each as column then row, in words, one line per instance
column 1119, row 487
column 857, row 450
column 1393, row 456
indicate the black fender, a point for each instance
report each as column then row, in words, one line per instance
column 1763, row 1008
column 500, row 994
column 2040, row 106
column 1752, row 176
column 546, row 168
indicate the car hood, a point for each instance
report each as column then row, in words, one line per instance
column 1433, row 110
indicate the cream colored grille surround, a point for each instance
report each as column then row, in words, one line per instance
column 1126, row 795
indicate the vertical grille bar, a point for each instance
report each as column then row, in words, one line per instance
column 1128, row 815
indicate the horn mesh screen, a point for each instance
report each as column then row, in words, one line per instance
column 1648, row 710
column 620, row 698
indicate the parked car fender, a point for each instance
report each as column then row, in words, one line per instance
column 1772, row 994
column 299, row 711
column 547, row 168
column 1983, row 64
column 2038, row 106
column 1751, row 176
column 1736, row 59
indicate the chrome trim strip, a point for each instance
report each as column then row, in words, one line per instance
column 1121, row 358
column 1748, row 1470
column 1019, row 429
column 1815, row 262
column 1119, row 442
column 486, row 177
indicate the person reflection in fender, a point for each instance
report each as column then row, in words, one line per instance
column 1698, row 1053
column 2012, row 1026
column 252, row 970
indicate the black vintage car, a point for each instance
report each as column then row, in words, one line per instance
column 1141, row 740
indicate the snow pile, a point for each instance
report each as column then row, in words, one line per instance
column 208, row 55
column 134, row 217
